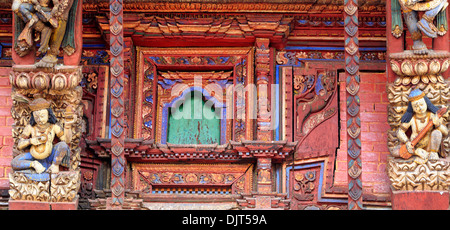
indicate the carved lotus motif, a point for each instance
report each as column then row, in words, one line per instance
column 396, row 68
column 59, row 82
column 444, row 66
column 435, row 67
column 407, row 68
column 25, row 77
column 421, row 68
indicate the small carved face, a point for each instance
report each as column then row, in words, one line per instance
column 419, row 106
column 41, row 116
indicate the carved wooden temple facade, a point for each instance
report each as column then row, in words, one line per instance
column 293, row 103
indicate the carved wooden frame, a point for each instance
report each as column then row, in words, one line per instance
column 163, row 57
column 190, row 176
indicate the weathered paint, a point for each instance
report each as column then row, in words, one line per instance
column 193, row 122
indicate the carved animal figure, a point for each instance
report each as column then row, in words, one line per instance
column 315, row 101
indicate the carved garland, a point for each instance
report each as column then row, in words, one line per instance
column 353, row 105
column 118, row 161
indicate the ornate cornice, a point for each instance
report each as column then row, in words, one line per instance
column 148, row 150
column 275, row 25
column 228, row 6
column 234, row 6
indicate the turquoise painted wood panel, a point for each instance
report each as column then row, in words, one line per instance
column 193, row 123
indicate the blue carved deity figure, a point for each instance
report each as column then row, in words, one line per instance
column 419, row 113
column 43, row 156
column 425, row 24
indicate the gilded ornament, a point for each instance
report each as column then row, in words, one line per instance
column 396, row 68
column 22, row 81
column 398, row 81
column 435, row 67
column 407, row 175
column 407, row 68
column 407, row 80
column 40, row 81
column 59, row 82
column 421, row 68
column 424, row 143
column 397, row 32
column 445, row 65
column 38, row 123
column 433, row 78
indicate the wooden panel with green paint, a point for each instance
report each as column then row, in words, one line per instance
column 194, row 121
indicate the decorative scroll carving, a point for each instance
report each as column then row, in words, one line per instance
column 61, row 88
column 423, row 73
column 417, row 113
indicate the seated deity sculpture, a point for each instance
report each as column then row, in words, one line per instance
column 425, row 24
column 44, row 156
column 425, row 140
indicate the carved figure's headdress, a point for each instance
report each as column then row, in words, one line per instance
column 415, row 95
column 38, row 104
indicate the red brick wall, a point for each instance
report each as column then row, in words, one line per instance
column 374, row 129
column 6, row 121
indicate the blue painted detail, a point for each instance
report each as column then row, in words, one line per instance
column 319, row 85
column 157, row 60
column 223, row 60
column 148, row 124
column 167, row 83
column 149, row 99
column 150, row 77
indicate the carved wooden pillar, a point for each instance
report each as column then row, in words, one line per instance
column 263, row 120
column 118, row 161
column 353, row 105
column 45, row 84
column 425, row 70
column 264, row 175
